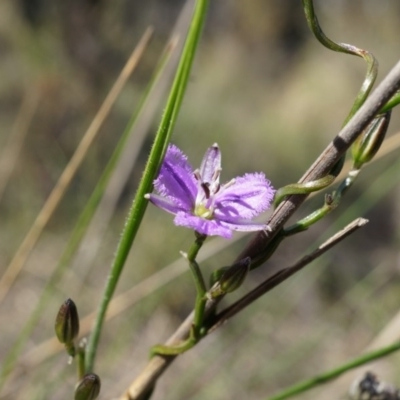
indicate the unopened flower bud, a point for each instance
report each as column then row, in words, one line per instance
column 67, row 325
column 231, row 278
column 216, row 275
column 88, row 388
column 369, row 142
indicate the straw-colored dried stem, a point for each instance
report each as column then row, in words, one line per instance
column 69, row 172
column 10, row 153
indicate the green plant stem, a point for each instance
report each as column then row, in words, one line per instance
column 156, row 156
column 199, row 283
column 199, row 308
column 372, row 63
column 80, row 361
column 393, row 102
column 334, row 373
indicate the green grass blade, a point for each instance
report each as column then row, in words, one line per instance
column 139, row 205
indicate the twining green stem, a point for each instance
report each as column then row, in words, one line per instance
column 369, row 80
column 330, row 203
column 302, row 188
column 175, row 349
column 393, row 102
column 154, row 161
column 309, row 187
column 369, row 144
column 372, row 63
column 199, row 308
column 334, row 373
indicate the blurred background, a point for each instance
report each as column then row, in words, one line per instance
column 273, row 98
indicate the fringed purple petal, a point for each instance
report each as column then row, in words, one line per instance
column 176, row 180
column 164, row 203
column 203, row 226
column 210, row 164
column 249, row 196
column 230, row 207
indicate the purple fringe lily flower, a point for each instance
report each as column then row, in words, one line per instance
column 200, row 202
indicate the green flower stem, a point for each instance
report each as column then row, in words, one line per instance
column 199, row 308
column 80, row 359
column 154, row 161
column 312, row 218
column 332, row 374
column 199, row 283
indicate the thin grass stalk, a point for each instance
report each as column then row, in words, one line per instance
column 139, row 205
column 69, row 172
column 10, row 359
column 11, row 151
column 123, row 170
column 121, row 163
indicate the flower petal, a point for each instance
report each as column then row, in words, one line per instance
column 163, row 203
column 201, row 225
column 247, row 197
column 211, row 164
column 176, row 180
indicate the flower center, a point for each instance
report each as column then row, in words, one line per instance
column 203, row 212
